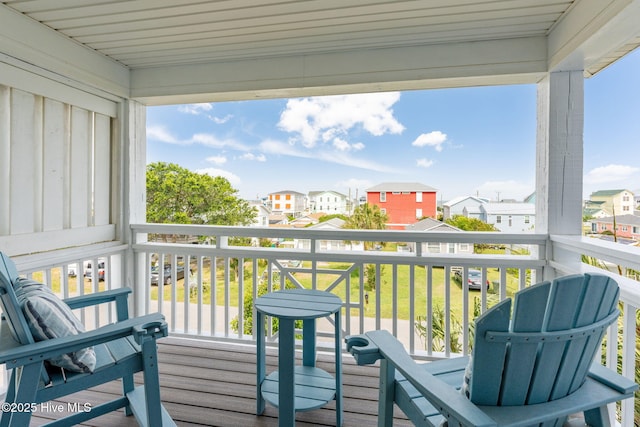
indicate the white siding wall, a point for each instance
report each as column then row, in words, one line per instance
column 55, row 163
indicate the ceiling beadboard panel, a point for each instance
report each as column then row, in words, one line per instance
column 151, row 33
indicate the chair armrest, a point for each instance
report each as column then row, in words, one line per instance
column 449, row 401
column 43, row 350
column 612, row 379
column 119, row 295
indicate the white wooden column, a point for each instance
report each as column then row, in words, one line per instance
column 134, row 166
column 559, row 155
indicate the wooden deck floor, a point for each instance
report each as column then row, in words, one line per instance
column 207, row 383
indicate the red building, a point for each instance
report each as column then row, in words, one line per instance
column 404, row 202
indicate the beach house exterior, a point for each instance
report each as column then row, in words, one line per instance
column 404, row 202
column 287, row 202
column 456, row 206
column 614, row 202
column 329, row 202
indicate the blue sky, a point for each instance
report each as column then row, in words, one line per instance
column 467, row 141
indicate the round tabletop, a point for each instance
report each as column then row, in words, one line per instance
column 298, row 304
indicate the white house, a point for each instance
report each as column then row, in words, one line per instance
column 291, row 203
column 329, row 202
column 509, row 217
column 456, row 206
column 262, row 214
column 330, row 245
column 431, row 225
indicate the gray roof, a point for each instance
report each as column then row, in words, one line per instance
column 430, row 224
column 457, row 200
column 400, row 186
column 331, row 223
column 620, row 219
column 509, row 208
column 315, row 193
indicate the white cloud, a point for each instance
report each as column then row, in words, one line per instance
column 324, row 118
column 221, row 120
column 195, row 109
column 342, row 145
column 160, row 133
column 251, row 156
column 433, row 139
column 281, row 148
column 231, row 177
column 217, row 160
column 424, row 163
column 211, row 140
column 610, row 173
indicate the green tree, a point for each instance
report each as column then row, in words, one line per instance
column 180, row 196
column 367, row 217
column 469, row 224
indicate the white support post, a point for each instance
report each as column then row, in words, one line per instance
column 559, row 157
column 134, row 146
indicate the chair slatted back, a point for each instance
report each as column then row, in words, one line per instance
column 543, row 350
column 11, row 308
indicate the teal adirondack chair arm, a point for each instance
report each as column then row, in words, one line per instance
column 450, row 402
column 119, row 296
column 43, row 350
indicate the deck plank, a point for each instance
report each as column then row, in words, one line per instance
column 210, row 383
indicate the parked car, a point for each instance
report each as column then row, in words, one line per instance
column 474, row 278
column 88, row 270
column 167, row 274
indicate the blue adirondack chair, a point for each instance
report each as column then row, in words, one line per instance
column 119, row 351
column 532, row 366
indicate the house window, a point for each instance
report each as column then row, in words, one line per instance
column 526, row 219
column 383, row 211
column 288, row 196
column 277, row 205
column 510, row 221
column 498, row 219
column 288, row 206
column 636, row 230
column 625, row 198
column 464, row 247
column 452, row 248
column 277, row 197
column 383, row 196
column 625, row 228
column 418, row 196
column 418, row 213
column 625, row 208
column 396, row 193
column 433, row 248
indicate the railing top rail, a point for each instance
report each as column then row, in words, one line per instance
column 373, row 257
column 600, row 249
column 342, row 234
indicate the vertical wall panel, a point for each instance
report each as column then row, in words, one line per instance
column 5, row 155
column 81, row 167
column 102, row 169
column 55, row 136
column 26, row 125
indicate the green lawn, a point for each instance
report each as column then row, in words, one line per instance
column 404, row 297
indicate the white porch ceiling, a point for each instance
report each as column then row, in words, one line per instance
column 168, row 46
column 152, row 33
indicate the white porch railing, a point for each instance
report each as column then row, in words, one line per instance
column 407, row 284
